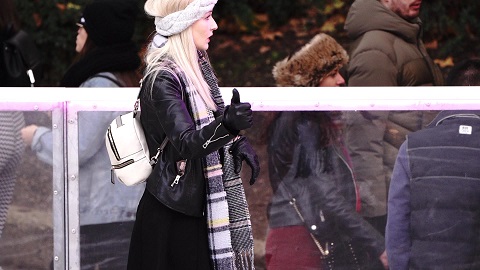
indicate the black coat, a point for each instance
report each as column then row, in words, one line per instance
column 165, row 112
column 321, row 181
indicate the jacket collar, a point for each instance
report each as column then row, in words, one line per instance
column 444, row 115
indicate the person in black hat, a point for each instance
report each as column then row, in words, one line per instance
column 107, row 57
column 104, row 43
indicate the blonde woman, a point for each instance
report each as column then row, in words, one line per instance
column 194, row 194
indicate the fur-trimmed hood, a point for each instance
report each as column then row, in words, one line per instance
column 314, row 61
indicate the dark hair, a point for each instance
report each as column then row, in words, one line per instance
column 465, row 73
column 128, row 78
column 9, row 21
column 328, row 130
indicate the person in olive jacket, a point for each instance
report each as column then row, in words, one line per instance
column 386, row 50
column 313, row 215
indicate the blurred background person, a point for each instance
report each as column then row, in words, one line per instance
column 314, row 220
column 386, row 49
column 11, row 123
column 465, row 73
column 11, row 151
column 19, row 53
column 434, row 197
column 107, row 57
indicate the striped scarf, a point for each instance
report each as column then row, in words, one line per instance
column 229, row 227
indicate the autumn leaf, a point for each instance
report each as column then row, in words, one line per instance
column 261, row 18
column 38, row 19
column 432, row 45
column 248, row 39
column 443, row 63
column 61, row 7
column 230, row 44
column 331, row 24
column 264, row 49
column 270, row 35
column 73, row 6
column 332, row 7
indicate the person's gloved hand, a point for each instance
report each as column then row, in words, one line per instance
column 237, row 115
column 242, row 150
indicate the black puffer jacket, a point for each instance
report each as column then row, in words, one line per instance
column 165, row 112
column 321, row 181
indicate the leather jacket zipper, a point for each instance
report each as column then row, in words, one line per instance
column 181, row 165
column 205, row 145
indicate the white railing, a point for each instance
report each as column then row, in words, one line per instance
column 263, row 98
column 65, row 103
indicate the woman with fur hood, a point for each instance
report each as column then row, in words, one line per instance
column 313, row 216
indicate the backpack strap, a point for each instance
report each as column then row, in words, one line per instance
column 115, row 81
column 154, row 159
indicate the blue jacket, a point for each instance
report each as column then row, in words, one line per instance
column 434, row 198
column 100, row 200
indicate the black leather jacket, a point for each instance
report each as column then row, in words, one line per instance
column 321, row 181
column 165, row 112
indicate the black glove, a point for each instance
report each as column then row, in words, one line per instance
column 242, row 150
column 237, row 115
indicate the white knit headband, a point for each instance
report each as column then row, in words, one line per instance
column 176, row 22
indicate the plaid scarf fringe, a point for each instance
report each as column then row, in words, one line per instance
column 229, row 227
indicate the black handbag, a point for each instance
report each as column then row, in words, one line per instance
column 21, row 57
column 334, row 250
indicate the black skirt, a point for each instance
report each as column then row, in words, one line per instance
column 105, row 246
column 166, row 239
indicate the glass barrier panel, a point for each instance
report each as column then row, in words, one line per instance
column 64, row 212
column 32, row 198
column 107, row 206
column 321, row 198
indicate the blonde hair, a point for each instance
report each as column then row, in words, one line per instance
column 180, row 48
